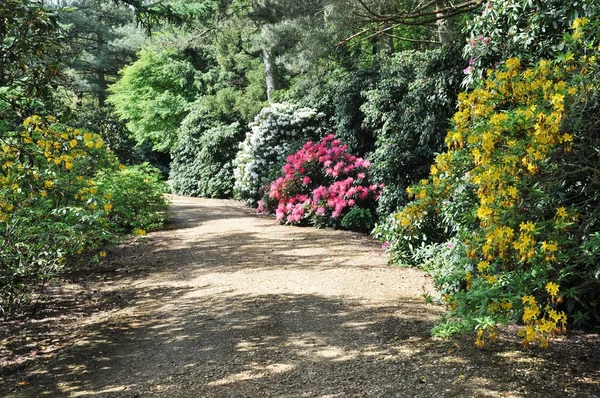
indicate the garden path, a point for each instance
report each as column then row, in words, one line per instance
column 225, row 303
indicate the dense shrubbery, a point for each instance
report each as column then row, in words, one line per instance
column 54, row 205
column 530, row 30
column 277, row 131
column 517, row 188
column 203, row 158
column 324, row 185
column 410, row 109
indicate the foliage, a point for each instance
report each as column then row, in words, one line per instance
column 410, row 108
column 153, row 95
column 277, row 131
column 102, row 38
column 31, row 50
column 531, row 30
column 203, row 158
column 52, row 206
column 323, row 184
column 522, row 164
column 136, row 194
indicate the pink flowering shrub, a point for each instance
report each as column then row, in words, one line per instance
column 321, row 183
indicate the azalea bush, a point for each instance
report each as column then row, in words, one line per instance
column 277, row 131
column 518, row 189
column 54, row 205
column 324, row 185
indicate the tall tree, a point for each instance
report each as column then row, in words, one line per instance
column 104, row 38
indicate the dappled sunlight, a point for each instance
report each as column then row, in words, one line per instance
column 235, row 316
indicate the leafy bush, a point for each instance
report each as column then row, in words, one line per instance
column 277, row 131
column 339, row 94
column 203, row 158
column 52, row 206
column 410, row 109
column 323, row 184
column 531, row 30
column 520, row 162
column 136, row 195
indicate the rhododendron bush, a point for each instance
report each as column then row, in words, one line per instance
column 277, row 131
column 322, row 183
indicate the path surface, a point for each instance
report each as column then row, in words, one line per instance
column 225, row 303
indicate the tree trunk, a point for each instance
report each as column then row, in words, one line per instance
column 103, row 88
column 271, row 72
column 445, row 26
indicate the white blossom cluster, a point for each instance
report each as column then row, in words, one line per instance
column 277, row 131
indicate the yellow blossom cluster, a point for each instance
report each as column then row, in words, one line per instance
column 45, row 166
column 540, row 326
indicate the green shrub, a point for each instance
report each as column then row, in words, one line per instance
column 53, row 206
column 136, row 195
column 358, row 219
column 203, row 158
column 410, row 109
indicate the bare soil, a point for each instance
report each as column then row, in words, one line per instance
column 225, row 303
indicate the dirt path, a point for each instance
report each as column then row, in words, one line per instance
column 228, row 304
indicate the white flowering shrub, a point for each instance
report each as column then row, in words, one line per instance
column 277, row 131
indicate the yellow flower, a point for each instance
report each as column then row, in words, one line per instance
column 527, row 226
column 102, row 254
column 561, row 212
column 48, row 184
column 513, row 63
column 73, row 143
column 108, row 207
column 139, row 232
column 549, row 246
column 552, row 289
column 580, row 22
column 483, row 265
column 528, row 300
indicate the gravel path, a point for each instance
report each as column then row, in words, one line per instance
column 225, row 303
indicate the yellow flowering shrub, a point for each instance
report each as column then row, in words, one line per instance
column 518, row 183
column 55, row 203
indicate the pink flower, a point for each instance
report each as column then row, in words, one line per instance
column 351, row 202
column 361, row 176
column 321, row 211
column 279, row 215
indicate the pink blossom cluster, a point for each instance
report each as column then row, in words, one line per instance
column 322, row 179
